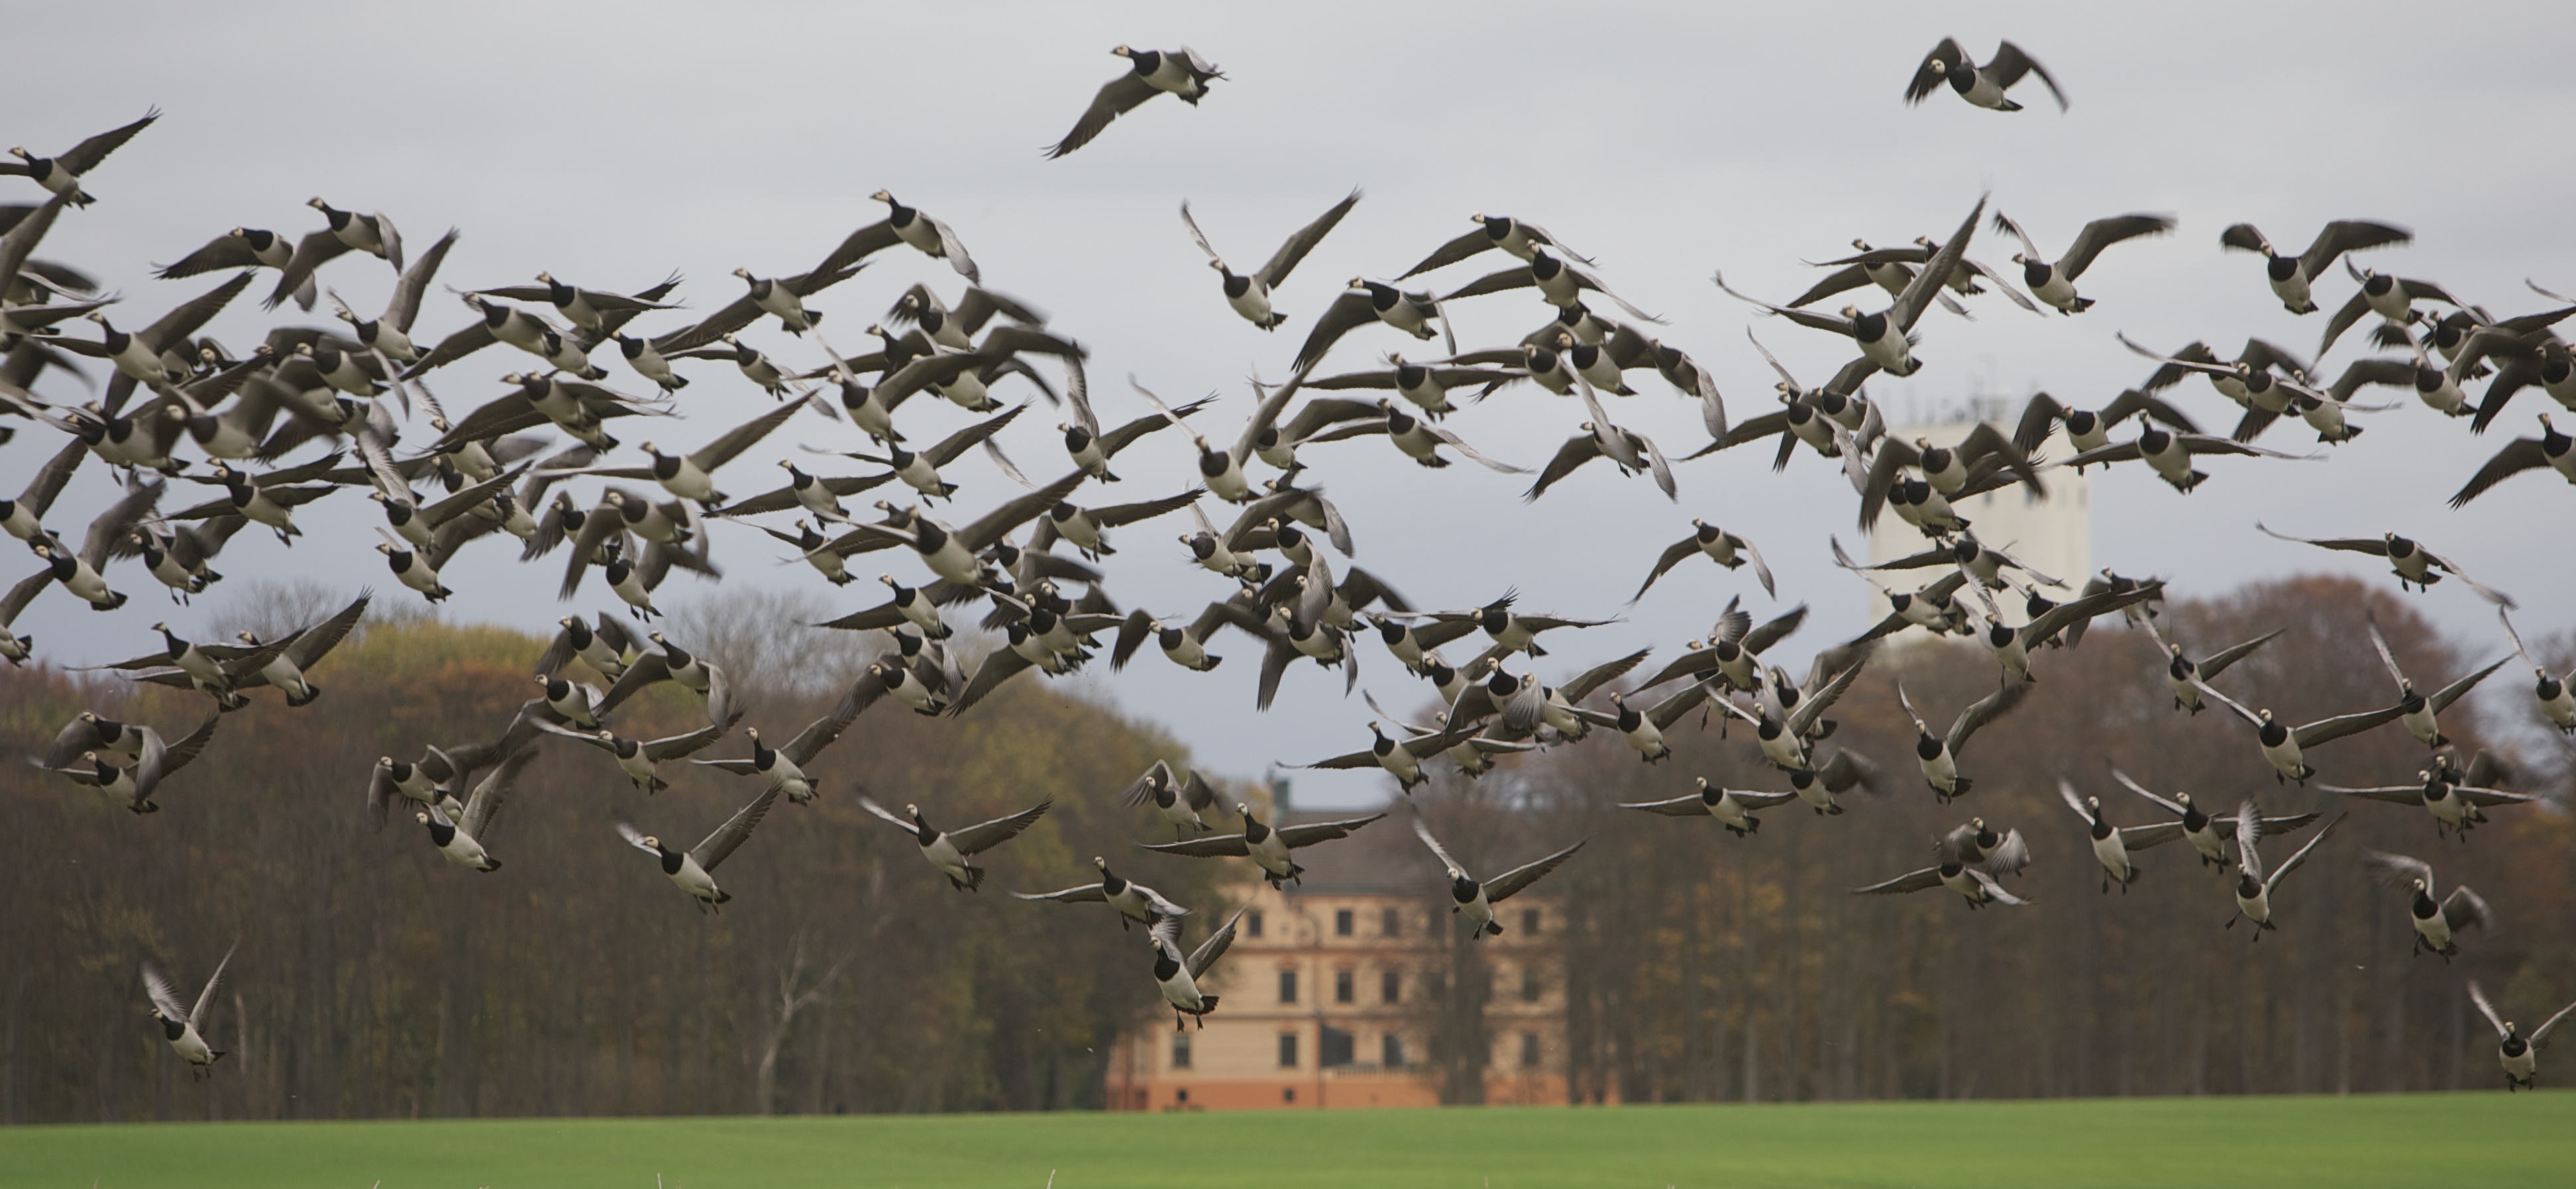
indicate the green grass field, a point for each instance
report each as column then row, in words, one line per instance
column 2480, row 1139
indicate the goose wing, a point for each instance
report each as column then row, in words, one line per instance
column 1213, row 846
column 1502, row 887
column 2394, row 794
column 2102, row 233
column 2274, row 880
column 1283, row 261
column 2006, row 697
column 2168, row 806
column 2540, row 1035
column 2395, row 870
column 2478, row 996
column 484, row 807
column 736, row 829
column 164, row 996
column 984, row 836
column 1294, row 837
column 1214, row 947
column 1081, row 894
column 1935, row 275
column 1930, row 76
column 1911, row 881
column 1687, row 805
column 2219, row 661
column 2329, row 730
column 1115, row 98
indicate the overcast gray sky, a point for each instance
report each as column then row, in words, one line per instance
column 613, row 144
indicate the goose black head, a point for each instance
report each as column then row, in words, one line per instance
column 1497, row 227
column 2248, row 887
column 2271, row 733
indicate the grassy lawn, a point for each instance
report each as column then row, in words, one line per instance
column 2482, row 1139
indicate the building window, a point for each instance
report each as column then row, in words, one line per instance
column 1181, row 1051
column 1252, row 923
column 1335, row 1047
column 1529, row 922
column 1529, row 1050
column 1287, row 986
column 1390, row 986
column 1342, row 987
column 1390, row 1051
column 1391, row 922
column 1341, row 922
column 1287, row 1093
column 1530, row 989
column 1287, row 1050
column 1181, row 1095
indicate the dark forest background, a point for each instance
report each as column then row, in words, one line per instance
column 374, row 979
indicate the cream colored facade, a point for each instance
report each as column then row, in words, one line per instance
column 1323, row 1005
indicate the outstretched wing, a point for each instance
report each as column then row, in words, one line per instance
column 1214, row 947
column 735, row 830
column 984, row 836
column 1502, row 886
column 1116, row 98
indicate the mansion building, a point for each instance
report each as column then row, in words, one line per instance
column 1332, row 991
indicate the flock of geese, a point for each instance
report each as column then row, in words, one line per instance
column 539, row 465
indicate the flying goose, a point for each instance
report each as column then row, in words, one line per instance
column 1515, row 236
column 62, row 174
column 1631, row 451
column 1559, row 282
column 1269, row 847
column 2170, row 453
column 1938, row 755
column 640, row 759
column 460, row 840
column 2011, row 646
column 948, row 850
column 1181, row 73
column 2054, row 282
column 2552, row 450
column 1511, row 631
column 2455, row 806
column 2419, row 718
column 2112, row 844
column 1418, row 438
column 1424, row 385
column 692, row 476
column 1475, row 899
column 1885, row 338
column 2090, row 429
column 1785, row 741
column 1179, row 976
column 784, row 767
column 1818, row 786
column 1403, row 758
column 1644, row 729
column 154, row 761
column 598, row 312
column 1134, row 901
column 696, row 674
column 1718, row 545
column 1364, row 302
column 2209, row 836
column 2518, row 1054
column 1250, row 295
column 1979, row 462
column 2290, row 276
column 2183, row 673
column 2413, row 564
column 1181, row 798
column 2554, row 693
column 1733, row 808
column 180, row 1022
column 1971, row 883
column 290, row 658
column 343, row 232
column 2285, row 747
column 209, row 669
column 2392, row 298
column 1892, row 269
column 693, row 870
column 1997, row 853
column 2436, row 922
column 1982, row 86
column 2253, row 888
